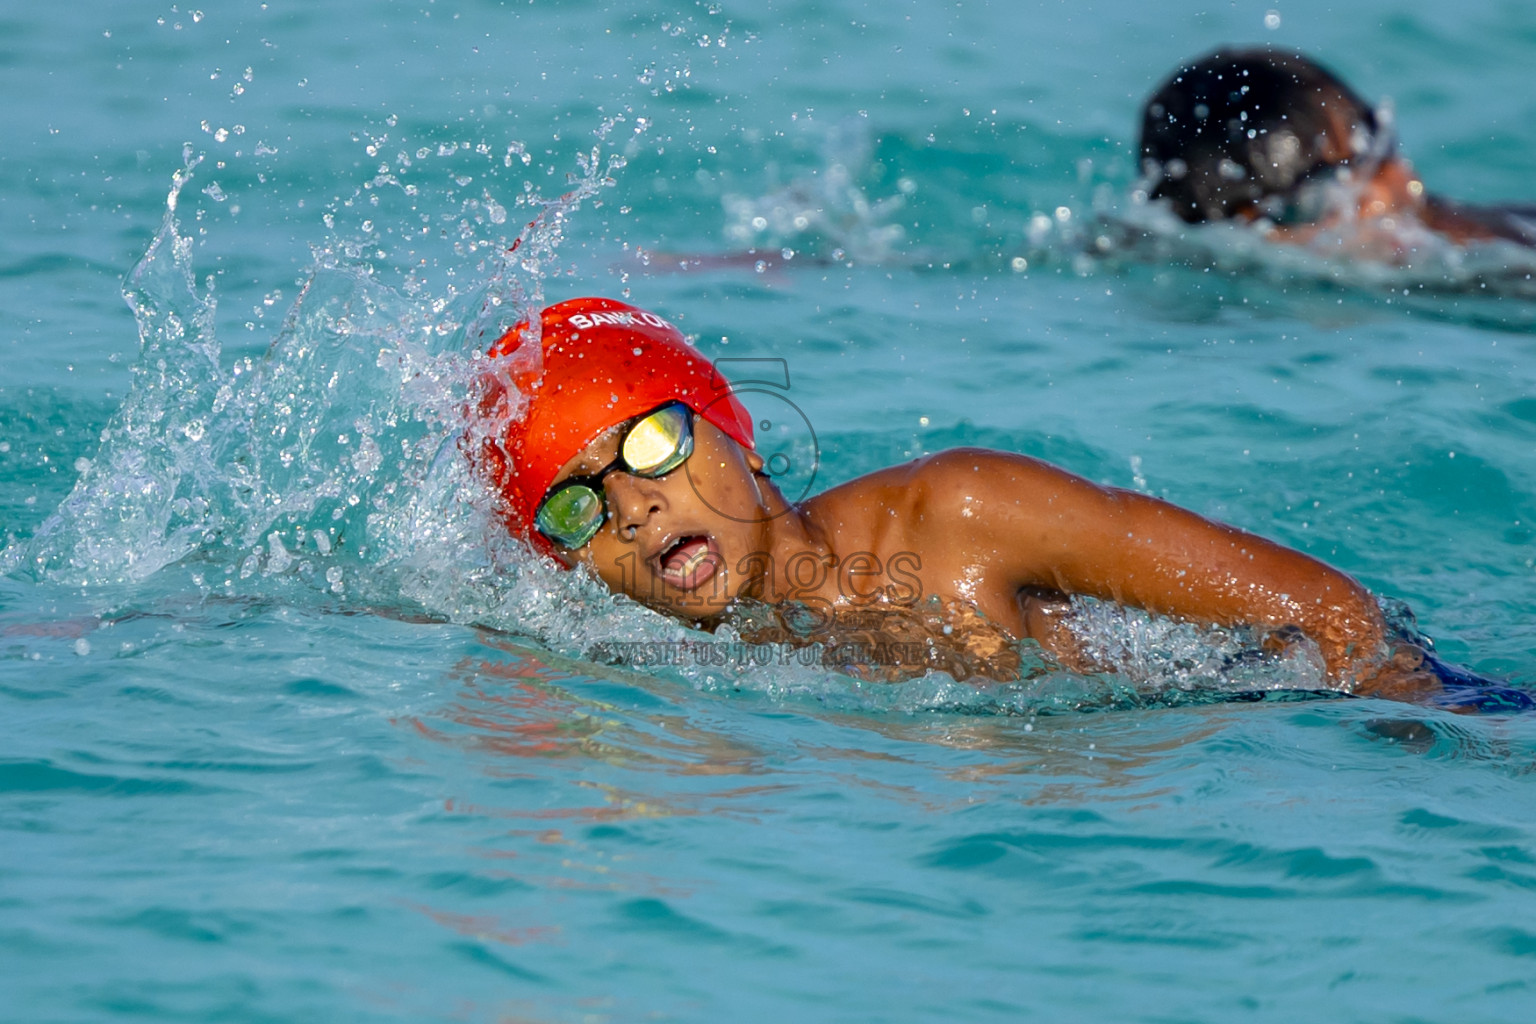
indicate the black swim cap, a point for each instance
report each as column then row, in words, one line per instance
column 1239, row 125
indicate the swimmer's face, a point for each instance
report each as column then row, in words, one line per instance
column 681, row 542
column 1349, row 184
column 1365, row 217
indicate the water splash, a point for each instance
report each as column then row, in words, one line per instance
column 1140, row 660
column 824, row 211
column 332, row 461
column 1401, row 259
column 129, row 510
column 1160, row 656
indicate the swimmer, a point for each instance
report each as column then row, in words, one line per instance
column 1270, row 137
column 621, row 449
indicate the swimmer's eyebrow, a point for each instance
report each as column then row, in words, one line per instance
column 607, row 450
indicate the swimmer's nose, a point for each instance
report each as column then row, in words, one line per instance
column 632, row 500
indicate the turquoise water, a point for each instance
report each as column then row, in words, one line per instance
column 288, row 738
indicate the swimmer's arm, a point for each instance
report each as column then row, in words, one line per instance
column 1045, row 528
column 1464, row 222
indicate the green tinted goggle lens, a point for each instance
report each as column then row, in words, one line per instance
column 655, row 445
column 571, row 516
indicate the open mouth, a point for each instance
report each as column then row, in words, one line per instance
column 689, row 562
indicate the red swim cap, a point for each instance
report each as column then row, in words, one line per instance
column 604, row 362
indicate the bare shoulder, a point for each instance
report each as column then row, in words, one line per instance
column 983, row 466
column 985, row 522
column 952, row 475
column 972, row 480
column 957, row 477
column 984, row 489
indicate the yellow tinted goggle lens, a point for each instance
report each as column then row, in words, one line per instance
column 659, row 443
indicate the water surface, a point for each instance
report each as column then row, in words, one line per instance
column 288, row 740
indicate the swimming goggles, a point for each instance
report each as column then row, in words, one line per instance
column 1325, row 193
column 652, row 446
column 1328, row 190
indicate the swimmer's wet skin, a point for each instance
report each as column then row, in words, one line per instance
column 634, row 458
column 1268, row 135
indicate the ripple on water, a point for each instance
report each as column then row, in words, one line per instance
column 40, row 776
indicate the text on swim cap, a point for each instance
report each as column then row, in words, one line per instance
column 585, row 320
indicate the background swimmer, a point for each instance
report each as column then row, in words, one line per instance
column 1270, row 136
